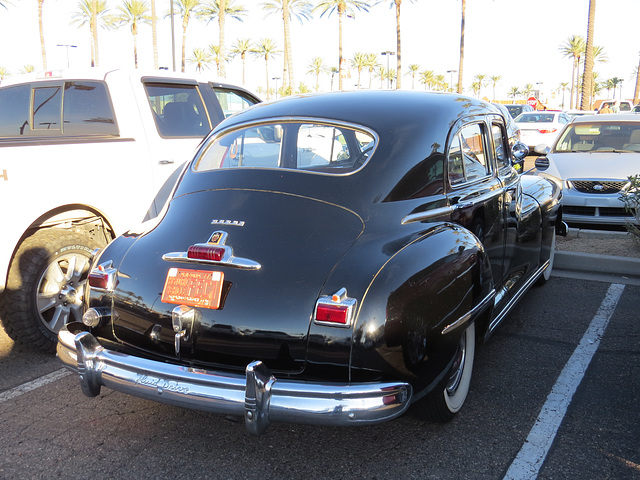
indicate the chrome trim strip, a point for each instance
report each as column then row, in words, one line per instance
column 473, row 312
column 230, row 261
column 496, row 321
column 257, row 395
column 428, row 215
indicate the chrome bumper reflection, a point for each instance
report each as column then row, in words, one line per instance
column 258, row 395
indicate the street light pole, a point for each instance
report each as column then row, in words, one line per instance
column 451, row 72
column 276, row 79
column 388, row 54
column 68, row 46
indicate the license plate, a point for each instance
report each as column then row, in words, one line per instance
column 197, row 288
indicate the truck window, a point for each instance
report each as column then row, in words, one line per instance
column 47, row 108
column 87, row 109
column 14, row 105
column 178, row 110
column 232, row 102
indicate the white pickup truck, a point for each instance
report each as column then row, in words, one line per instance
column 81, row 159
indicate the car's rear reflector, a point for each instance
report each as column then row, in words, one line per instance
column 337, row 310
column 103, row 276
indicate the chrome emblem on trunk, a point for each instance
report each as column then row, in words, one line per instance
column 235, row 223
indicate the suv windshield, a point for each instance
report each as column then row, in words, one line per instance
column 600, row 136
column 307, row 146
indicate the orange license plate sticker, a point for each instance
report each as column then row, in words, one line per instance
column 196, row 288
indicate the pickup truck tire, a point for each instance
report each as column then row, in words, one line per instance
column 45, row 285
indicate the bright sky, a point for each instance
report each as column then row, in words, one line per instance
column 516, row 39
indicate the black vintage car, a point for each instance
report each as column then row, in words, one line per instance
column 329, row 259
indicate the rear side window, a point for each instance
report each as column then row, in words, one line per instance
column 178, row 110
column 87, row 109
column 467, row 158
column 14, row 110
column 318, row 147
column 232, row 102
column 56, row 109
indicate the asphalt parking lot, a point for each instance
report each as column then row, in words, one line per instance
column 522, row 418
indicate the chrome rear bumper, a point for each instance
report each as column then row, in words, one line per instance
column 257, row 395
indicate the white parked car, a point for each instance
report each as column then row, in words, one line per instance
column 82, row 155
column 541, row 126
column 593, row 158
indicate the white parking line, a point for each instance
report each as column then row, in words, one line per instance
column 532, row 455
column 33, row 384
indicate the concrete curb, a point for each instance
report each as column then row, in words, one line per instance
column 593, row 263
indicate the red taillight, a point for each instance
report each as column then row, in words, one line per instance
column 335, row 310
column 213, row 253
column 548, row 131
column 103, row 276
column 337, row 314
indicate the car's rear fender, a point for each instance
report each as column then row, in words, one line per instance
column 414, row 309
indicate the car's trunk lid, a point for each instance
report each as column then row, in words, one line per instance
column 265, row 312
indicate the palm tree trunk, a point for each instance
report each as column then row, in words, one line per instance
column 585, row 103
column 266, row 69
column 288, row 62
column 636, row 93
column 154, row 34
column 41, row 26
column 398, row 47
column 184, row 45
column 94, row 20
column 222, row 8
column 460, row 66
column 135, row 50
column 573, row 83
column 340, row 15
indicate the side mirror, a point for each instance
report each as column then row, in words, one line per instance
column 542, row 149
column 519, row 152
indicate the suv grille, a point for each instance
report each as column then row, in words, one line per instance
column 597, row 211
column 595, row 186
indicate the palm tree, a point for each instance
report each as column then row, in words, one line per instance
column 186, row 8
column 221, row 9
column 300, row 10
column 333, row 71
column 413, row 71
column 266, row 48
column 527, row 90
column 41, row 27
column 154, row 34
column 4, row 72
column 200, row 58
column 480, row 79
column 615, row 81
column 132, row 12
column 372, row 63
column 573, row 48
column 514, row 92
column 316, row 67
column 241, row 47
column 562, row 88
column 585, row 102
column 476, row 87
column 494, row 81
column 359, row 62
column 427, row 78
column 93, row 13
column 381, row 73
column 460, row 66
column 219, row 57
column 343, row 7
column 27, row 69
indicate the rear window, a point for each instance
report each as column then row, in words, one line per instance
column 318, row 147
column 56, row 109
column 535, row 118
